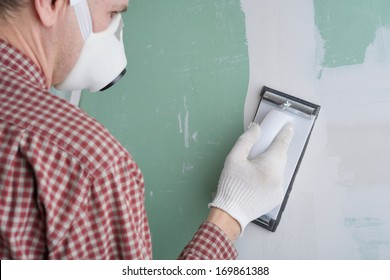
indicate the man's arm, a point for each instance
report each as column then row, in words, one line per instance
column 247, row 189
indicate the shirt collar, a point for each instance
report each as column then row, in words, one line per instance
column 19, row 63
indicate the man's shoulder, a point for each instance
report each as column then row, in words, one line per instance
column 45, row 116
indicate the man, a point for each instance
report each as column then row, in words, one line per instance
column 68, row 189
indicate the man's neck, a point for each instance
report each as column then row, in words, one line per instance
column 26, row 39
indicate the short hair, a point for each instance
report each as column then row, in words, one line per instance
column 9, row 6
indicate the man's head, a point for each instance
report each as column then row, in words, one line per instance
column 49, row 30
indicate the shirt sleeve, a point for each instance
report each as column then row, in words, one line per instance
column 209, row 243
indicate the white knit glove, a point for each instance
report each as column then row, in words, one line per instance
column 247, row 189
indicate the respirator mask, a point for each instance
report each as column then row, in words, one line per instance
column 102, row 61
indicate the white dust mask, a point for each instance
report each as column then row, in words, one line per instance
column 102, row 61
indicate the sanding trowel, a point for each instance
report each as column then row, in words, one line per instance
column 274, row 111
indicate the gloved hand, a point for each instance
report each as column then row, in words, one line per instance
column 248, row 189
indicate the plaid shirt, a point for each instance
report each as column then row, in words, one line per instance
column 68, row 189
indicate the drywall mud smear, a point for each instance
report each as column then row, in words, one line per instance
column 320, row 51
column 281, row 49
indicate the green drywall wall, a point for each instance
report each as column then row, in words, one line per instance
column 187, row 60
column 179, row 109
column 348, row 27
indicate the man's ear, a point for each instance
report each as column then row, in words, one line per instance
column 48, row 10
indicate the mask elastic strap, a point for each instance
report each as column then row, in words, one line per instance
column 83, row 17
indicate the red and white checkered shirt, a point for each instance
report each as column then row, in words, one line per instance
column 68, row 189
